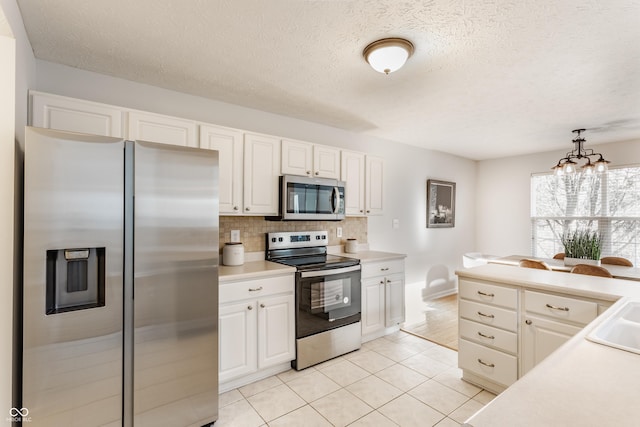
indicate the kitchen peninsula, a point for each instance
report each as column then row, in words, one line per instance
column 582, row 382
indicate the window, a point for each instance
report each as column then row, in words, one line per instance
column 608, row 203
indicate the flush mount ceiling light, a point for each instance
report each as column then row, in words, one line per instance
column 567, row 165
column 388, row 55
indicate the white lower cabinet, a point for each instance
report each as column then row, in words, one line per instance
column 550, row 321
column 488, row 328
column 382, row 297
column 505, row 330
column 256, row 327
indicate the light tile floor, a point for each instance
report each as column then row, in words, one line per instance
column 397, row 380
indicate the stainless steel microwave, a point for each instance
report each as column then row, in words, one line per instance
column 304, row 198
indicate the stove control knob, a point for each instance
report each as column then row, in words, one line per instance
column 273, row 239
column 280, row 239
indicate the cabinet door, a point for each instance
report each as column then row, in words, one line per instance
column 326, row 162
column 74, row 115
column 238, row 336
column 540, row 338
column 228, row 142
column 261, row 172
column 162, row 129
column 276, row 330
column 374, row 185
column 352, row 173
column 297, row 157
column 394, row 296
column 373, row 311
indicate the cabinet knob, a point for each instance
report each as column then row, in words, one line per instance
column 382, row 282
column 235, row 208
column 368, row 211
column 261, row 305
column 247, row 208
column 528, row 322
column 317, row 173
column 308, row 172
column 361, row 211
column 250, row 307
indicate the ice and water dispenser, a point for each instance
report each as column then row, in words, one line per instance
column 75, row 279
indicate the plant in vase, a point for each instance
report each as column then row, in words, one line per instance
column 582, row 247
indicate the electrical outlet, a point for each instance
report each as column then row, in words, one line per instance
column 235, row 235
column 339, row 232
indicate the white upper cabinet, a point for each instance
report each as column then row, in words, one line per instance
column 353, row 175
column 75, row 115
column 297, row 157
column 374, row 185
column 363, row 176
column 326, row 162
column 229, row 144
column 307, row 159
column 261, row 174
column 162, row 129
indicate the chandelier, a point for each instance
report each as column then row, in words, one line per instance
column 568, row 165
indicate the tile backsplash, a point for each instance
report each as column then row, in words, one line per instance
column 253, row 230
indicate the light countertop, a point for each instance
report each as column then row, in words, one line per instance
column 253, row 270
column 582, row 383
column 256, row 268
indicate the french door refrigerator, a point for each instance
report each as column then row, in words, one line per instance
column 120, row 289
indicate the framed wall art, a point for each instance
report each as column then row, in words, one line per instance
column 441, row 204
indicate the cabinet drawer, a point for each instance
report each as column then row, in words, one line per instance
column 489, row 315
column 487, row 335
column 557, row 307
column 236, row 291
column 490, row 294
column 382, row 268
column 492, row 364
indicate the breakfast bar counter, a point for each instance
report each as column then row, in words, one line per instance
column 618, row 271
column 582, row 383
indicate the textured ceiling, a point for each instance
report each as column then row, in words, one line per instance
column 488, row 78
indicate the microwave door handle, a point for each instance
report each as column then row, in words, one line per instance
column 336, row 200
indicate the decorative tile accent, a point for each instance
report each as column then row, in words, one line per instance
column 253, row 230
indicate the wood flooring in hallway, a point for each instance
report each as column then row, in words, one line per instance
column 440, row 324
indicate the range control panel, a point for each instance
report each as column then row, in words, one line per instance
column 297, row 239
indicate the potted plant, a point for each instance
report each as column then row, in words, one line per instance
column 582, row 247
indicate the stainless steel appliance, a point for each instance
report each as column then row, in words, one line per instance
column 327, row 296
column 120, row 282
column 304, row 198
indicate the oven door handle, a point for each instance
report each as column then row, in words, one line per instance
column 329, row 272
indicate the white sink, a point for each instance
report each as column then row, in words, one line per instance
column 621, row 330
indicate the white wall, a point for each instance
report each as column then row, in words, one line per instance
column 503, row 224
column 406, row 168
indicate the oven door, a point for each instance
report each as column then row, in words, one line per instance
column 327, row 299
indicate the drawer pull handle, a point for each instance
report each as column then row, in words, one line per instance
column 485, row 295
column 490, row 316
column 553, row 307
column 482, row 362
column 384, row 269
column 255, row 289
column 491, row 337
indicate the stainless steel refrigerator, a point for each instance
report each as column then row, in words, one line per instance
column 120, row 302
